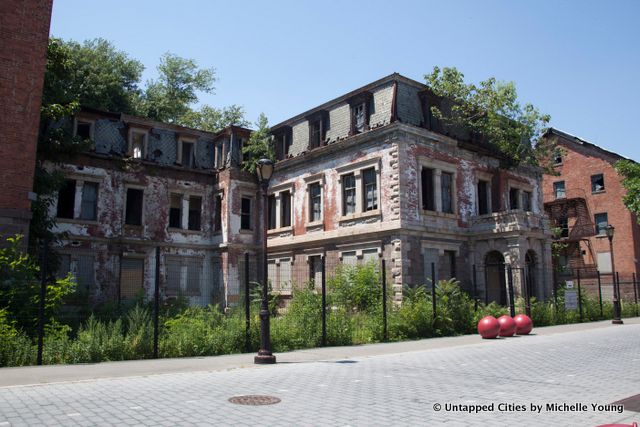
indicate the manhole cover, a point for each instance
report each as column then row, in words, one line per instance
column 254, row 400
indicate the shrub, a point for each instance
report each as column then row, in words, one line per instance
column 454, row 309
column 357, row 288
column 16, row 348
column 414, row 318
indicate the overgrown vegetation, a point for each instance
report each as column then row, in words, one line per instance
column 354, row 316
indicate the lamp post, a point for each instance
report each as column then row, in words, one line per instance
column 616, row 290
column 264, row 170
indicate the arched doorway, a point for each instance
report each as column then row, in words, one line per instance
column 531, row 262
column 495, row 285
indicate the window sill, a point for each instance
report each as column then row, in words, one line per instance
column 439, row 214
column 77, row 221
column 601, row 236
column 245, row 231
column 184, row 230
column 314, row 224
column 360, row 215
column 279, row 230
column 599, row 192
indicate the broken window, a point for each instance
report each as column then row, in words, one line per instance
column 315, row 137
column 559, row 190
column 219, row 155
column 133, row 210
column 602, row 221
column 272, row 211
column 563, row 225
column 84, row 129
column 195, row 212
column 137, row 144
column 282, row 141
column 188, row 154
column 217, row 218
column 89, row 204
column 359, row 118
column 597, row 183
column 175, row 211
column 348, row 194
column 370, row 186
column 315, row 202
column 514, row 194
column 426, row 178
column 557, row 157
column 245, row 214
column 447, row 192
column 285, row 209
column 483, row 198
column 66, row 199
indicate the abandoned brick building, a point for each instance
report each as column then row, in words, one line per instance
column 147, row 185
column 583, row 198
column 369, row 175
column 374, row 174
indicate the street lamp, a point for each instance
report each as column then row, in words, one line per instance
column 616, row 286
column 264, row 170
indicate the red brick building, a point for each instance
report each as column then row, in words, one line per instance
column 24, row 32
column 582, row 200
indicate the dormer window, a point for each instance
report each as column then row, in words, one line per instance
column 137, row 143
column 83, row 129
column 317, row 129
column 282, row 142
column 187, row 152
column 360, row 112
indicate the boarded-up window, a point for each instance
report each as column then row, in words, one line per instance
column 173, row 276
column 131, row 277
column 194, row 273
column 89, row 206
column 285, row 274
column 272, row 273
column 430, row 257
column 370, row 256
column 349, row 258
column 315, row 270
column 447, row 192
column 85, row 273
column 604, row 262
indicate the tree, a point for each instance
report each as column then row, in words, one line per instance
column 259, row 145
column 491, row 110
column 169, row 98
column 212, row 119
column 630, row 172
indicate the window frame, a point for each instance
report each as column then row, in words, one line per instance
column 438, row 167
column 133, row 130
column 556, row 185
column 126, row 204
column 321, row 118
column 82, row 201
column 357, row 169
column 91, row 122
column 601, row 232
column 604, row 187
column 249, row 214
column 191, row 140
column 277, row 191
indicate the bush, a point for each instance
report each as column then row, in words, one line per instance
column 16, row 348
column 356, row 288
column 454, row 309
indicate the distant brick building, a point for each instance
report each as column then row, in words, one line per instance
column 374, row 174
column 581, row 200
column 24, row 32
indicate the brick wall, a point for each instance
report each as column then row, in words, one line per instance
column 579, row 163
column 24, row 31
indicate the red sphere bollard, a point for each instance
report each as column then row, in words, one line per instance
column 507, row 326
column 488, row 327
column 524, row 324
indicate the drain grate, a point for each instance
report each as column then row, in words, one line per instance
column 630, row 403
column 254, row 400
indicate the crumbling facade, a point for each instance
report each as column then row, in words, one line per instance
column 148, row 188
column 374, row 174
column 582, row 198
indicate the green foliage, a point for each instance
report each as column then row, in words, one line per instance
column 356, row 288
column 20, row 287
column 16, row 348
column 414, row 318
column 630, row 172
column 490, row 109
column 454, row 309
column 259, row 145
column 213, row 119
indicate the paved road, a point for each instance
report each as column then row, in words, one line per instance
column 593, row 366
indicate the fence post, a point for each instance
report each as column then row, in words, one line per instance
column 247, row 305
column 384, row 301
column 43, row 296
column 324, row 301
column 616, row 283
column 475, row 289
column 635, row 292
column 486, row 287
column 156, row 304
column 527, row 290
column 512, row 308
column 433, row 292
column 579, row 295
column 600, row 293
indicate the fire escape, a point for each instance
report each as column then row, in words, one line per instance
column 571, row 215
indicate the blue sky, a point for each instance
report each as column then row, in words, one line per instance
column 575, row 60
